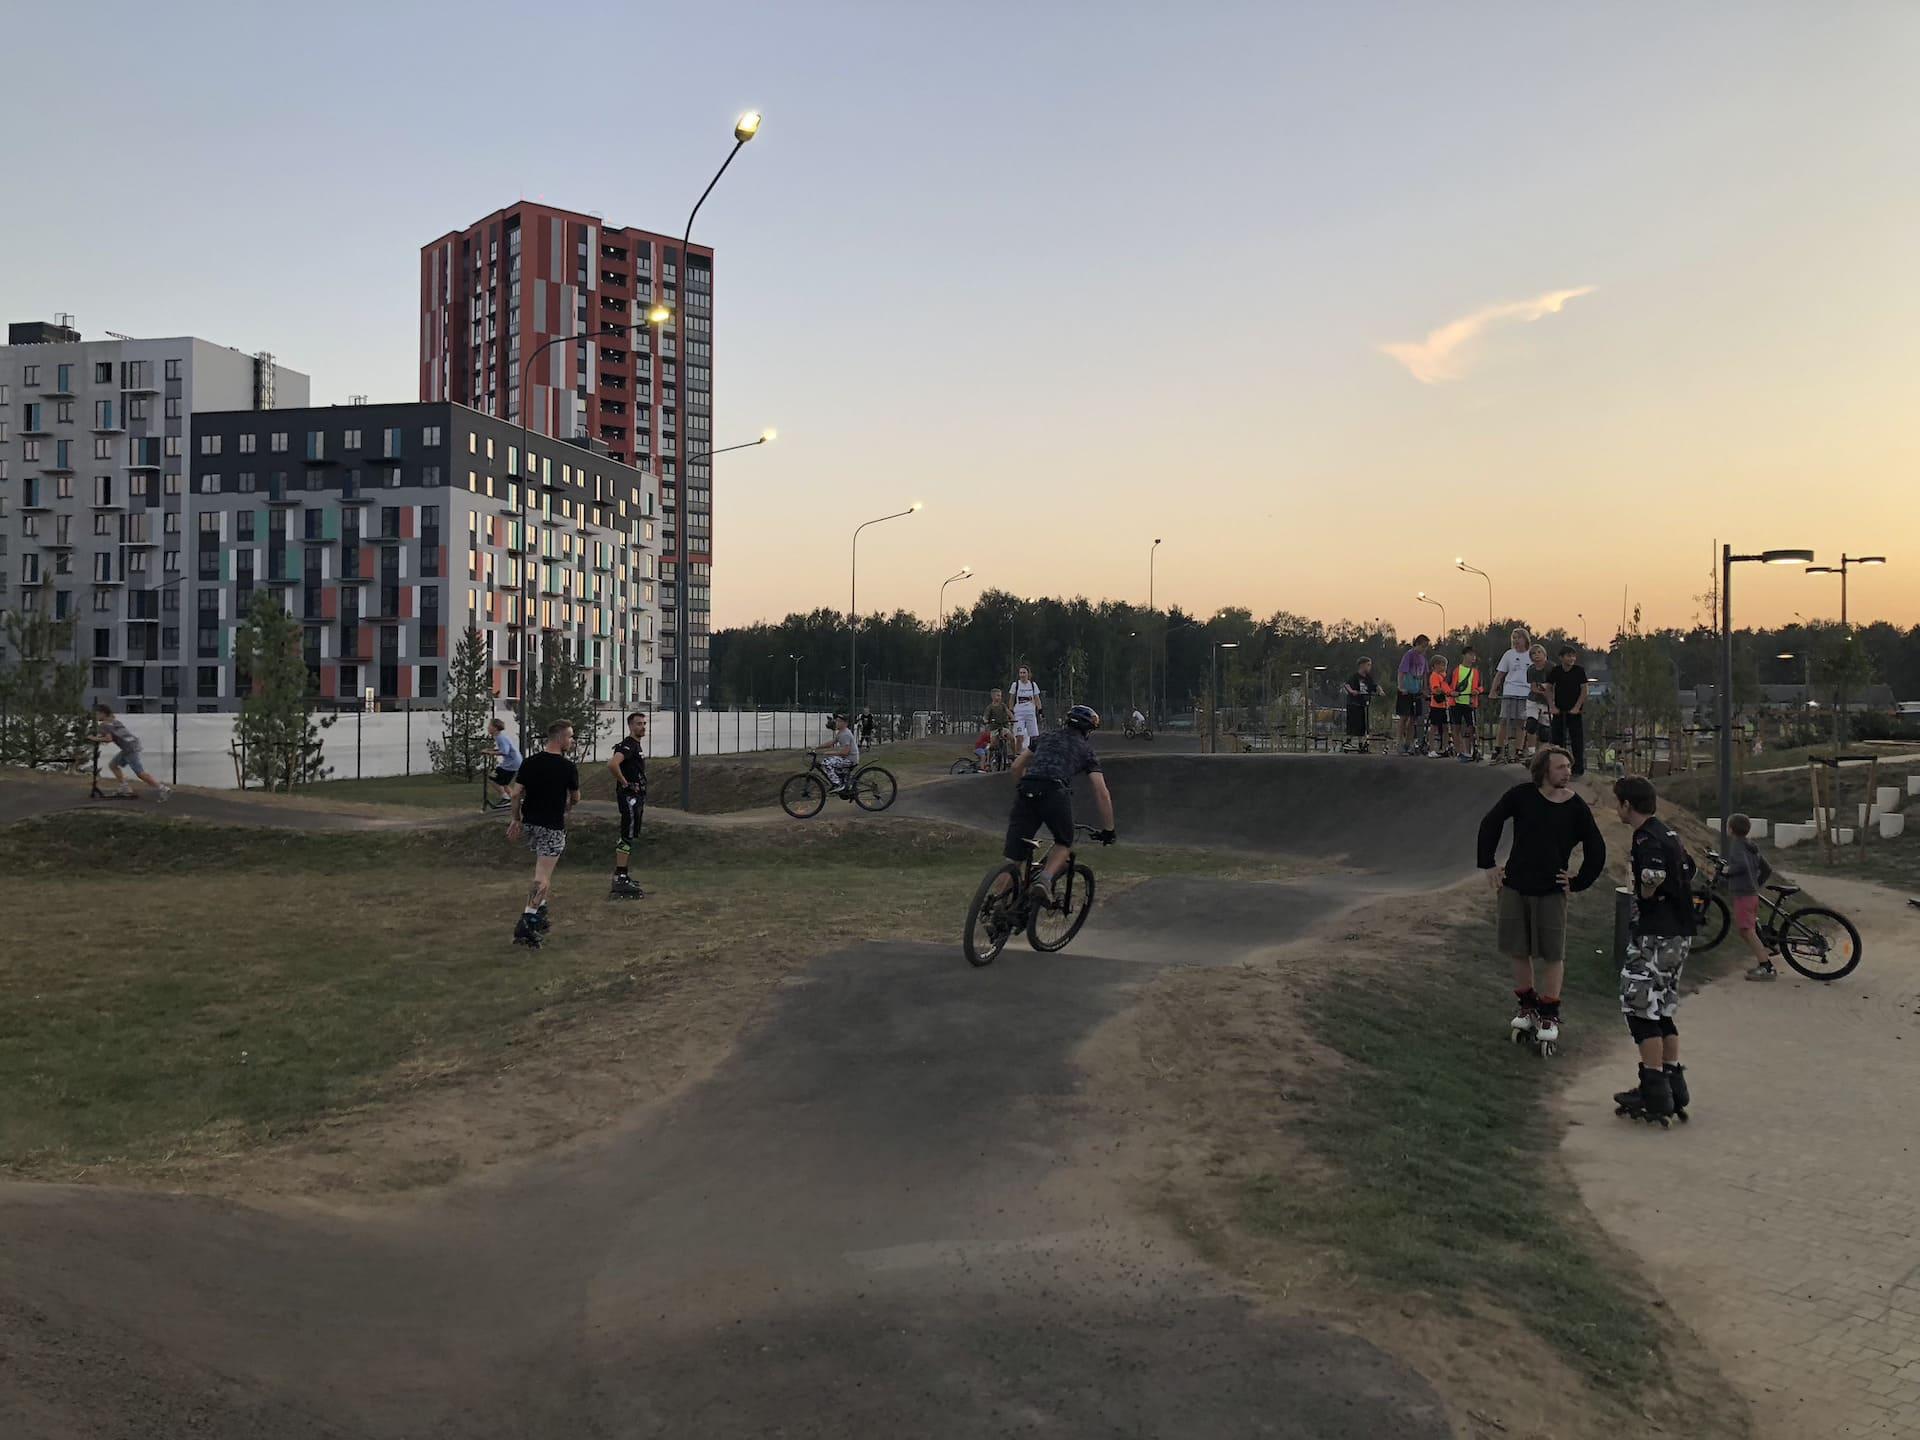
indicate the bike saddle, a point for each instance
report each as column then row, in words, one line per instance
column 1784, row 889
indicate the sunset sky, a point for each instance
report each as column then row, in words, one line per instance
column 1324, row 295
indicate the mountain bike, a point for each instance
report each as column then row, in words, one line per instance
column 994, row 918
column 1821, row 944
column 870, row 787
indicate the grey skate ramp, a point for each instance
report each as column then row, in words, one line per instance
column 891, row 1212
column 1414, row 820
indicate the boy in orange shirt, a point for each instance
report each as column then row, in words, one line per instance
column 1441, row 689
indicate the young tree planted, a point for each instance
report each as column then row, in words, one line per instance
column 463, row 748
column 41, row 696
column 278, row 732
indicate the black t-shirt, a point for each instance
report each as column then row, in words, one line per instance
column 633, row 762
column 1567, row 682
column 1360, row 688
column 1662, row 898
column 548, row 779
column 1544, row 834
column 1536, row 677
column 1061, row 754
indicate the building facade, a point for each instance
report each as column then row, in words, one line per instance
column 96, row 447
column 492, row 294
column 387, row 529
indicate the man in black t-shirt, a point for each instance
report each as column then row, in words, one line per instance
column 1659, row 935
column 1361, row 688
column 628, row 765
column 545, row 789
column 1567, row 697
column 1043, row 779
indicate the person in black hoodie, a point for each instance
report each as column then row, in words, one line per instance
column 1659, row 934
column 1549, row 819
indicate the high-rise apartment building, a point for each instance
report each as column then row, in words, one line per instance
column 386, row 530
column 491, row 295
column 97, row 440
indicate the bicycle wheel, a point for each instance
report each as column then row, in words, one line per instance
column 873, row 788
column 1820, row 943
column 1710, row 920
column 991, row 918
column 964, row 767
column 803, row 795
column 1049, row 929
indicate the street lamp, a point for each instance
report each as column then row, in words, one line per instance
column 1727, row 561
column 1213, row 694
column 1847, row 562
column 1427, row 599
column 1153, row 552
column 940, row 641
column 1581, row 616
column 744, row 129
column 1460, row 564
column 853, row 605
column 796, row 681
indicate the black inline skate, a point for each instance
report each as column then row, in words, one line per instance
column 1651, row 1101
column 527, row 931
column 625, row 887
column 1677, row 1082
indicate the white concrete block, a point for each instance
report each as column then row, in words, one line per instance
column 1887, row 798
column 1713, row 823
column 1759, row 829
column 1786, row 835
column 1844, row 837
column 1892, row 825
column 1913, row 783
column 1860, row 814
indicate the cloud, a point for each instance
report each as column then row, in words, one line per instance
column 1439, row 357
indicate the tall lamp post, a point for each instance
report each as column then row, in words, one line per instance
column 796, row 681
column 1213, row 694
column 1427, row 599
column 853, row 605
column 1727, row 561
column 744, row 129
column 940, row 640
column 1460, row 563
column 1581, row 616
column 1153, row 553
column 1847, row 562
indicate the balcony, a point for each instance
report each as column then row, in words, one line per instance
column 281, row 497
column 108, row 502
column 55, row 544
column 55, row 467
column 139, row 384
column 57, row 391
column 34, row 500
column 33, row 430
column 381, row 458
column 355, row 496
column 139, row 542
column 112, row 427
column 153, row 464
column 321, row 459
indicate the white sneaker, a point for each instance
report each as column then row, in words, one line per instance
column 125, row 792
column 166, row 792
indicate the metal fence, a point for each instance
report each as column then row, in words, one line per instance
column 921, row 710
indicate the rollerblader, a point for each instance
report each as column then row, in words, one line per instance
column 1028, row 712
column 840, row 754
column 1515, row 689
column 545, row 788
column 1410, row 697
column 1043, row 795
column 1549, row 819
column 506, row 761
column 1468, row 687
column 126, row 753
column 1360, row 689
column 1659, row 934
column 628, row 765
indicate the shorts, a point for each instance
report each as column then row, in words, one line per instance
column 1463, row 716
column 1513, row 707
column 1357, row 722
column 1746, row 911
column 131, row 759
column 1037, row 803
column 1438, row 714
column 503, row 778
column 1532, row 927
column 544, row 841
column 632, row 805
column 1404, row 704
column 1650, row 979
column 1537, row 715
column 1026, row 724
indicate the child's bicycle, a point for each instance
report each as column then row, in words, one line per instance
column 994, row 918
column 1821, row 944
column 805, row 795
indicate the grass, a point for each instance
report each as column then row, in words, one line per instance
column 1894, row 863
column 1444, row 1148
column 199, row 991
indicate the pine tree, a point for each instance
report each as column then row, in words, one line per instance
column 41, row 697
column 462, row 751
column 278, row 732
column 563, row 691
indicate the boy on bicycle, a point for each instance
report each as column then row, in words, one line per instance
column 999, row 719
column 1043, row 795
column 839, row 755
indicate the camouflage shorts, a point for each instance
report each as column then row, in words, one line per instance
column 1650, row 980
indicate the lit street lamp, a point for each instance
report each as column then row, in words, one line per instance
column 853, row 605
column 1427, row 599
column 1213, row 694
column 1727, row 561
column 1460, row 564
column 1847, row 562
column 940, row 642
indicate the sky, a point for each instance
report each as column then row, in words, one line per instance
column 1322, row 296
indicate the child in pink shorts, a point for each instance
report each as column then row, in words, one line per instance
column 1747, row 871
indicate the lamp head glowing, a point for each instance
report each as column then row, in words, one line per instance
column 1786, row 557
column 913, row 507
column 1229, row 645
column 1419, row 594
column 1869, row 559
column 966, row 569
column 659, row 315
column 747, row 126
column 768, row 436
column 1460, row 560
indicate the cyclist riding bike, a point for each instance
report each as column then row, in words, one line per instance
column 999, row 720
column 1043, row 795
column 839, row 755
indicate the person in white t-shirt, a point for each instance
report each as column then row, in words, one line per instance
column 840, row 754
column 1027, row 710
column 1515, row 690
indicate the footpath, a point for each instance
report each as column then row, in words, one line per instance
column 1783, row 1222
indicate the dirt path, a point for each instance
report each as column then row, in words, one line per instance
column 1783, row 1222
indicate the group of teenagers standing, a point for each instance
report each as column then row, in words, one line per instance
column 1440, row 706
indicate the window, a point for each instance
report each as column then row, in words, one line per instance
column 30, row 376
column 473, row 443
column 102, row 525
column 171, row 523
column 429, row 682
column 246, row 482
column 209, row 444
column 63, row 410
column 209, row 484
column 248, row 444
column 172, row 446
column 174, row 407
column 103, row 372
column 243, row 529
column 352, row 441
column 137, row 486
column 429, row 436
column 279, row 443
column 173, row 369
column 173, row 482
column 316, row 445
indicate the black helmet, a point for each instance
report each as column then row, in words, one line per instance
column 1083, row 718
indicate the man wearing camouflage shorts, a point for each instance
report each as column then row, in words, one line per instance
column 1659, row 936
column 544, row 789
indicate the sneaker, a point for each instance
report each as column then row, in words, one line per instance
column 1043, row 887
column 166, row 793
column 1763, row 972
column 125, row 792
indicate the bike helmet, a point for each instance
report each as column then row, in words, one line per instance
column 1083, row 718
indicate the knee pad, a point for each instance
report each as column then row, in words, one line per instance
column 1667, row 1027
column 625, row 847
column 1643, row 1030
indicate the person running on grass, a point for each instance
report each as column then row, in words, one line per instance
column 113, row 731
column 840, row 754
column 506, row 759
column 546, row 787
column 1747, row 871
column 1514, row 690
column 1410, row 696
column 1567, row 695
column 1549, row 819
column 1043, row 778
column 1468, row 687
column 628, row 765
column 1360, row 689
column 1440, row 693
column 1659, row 935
